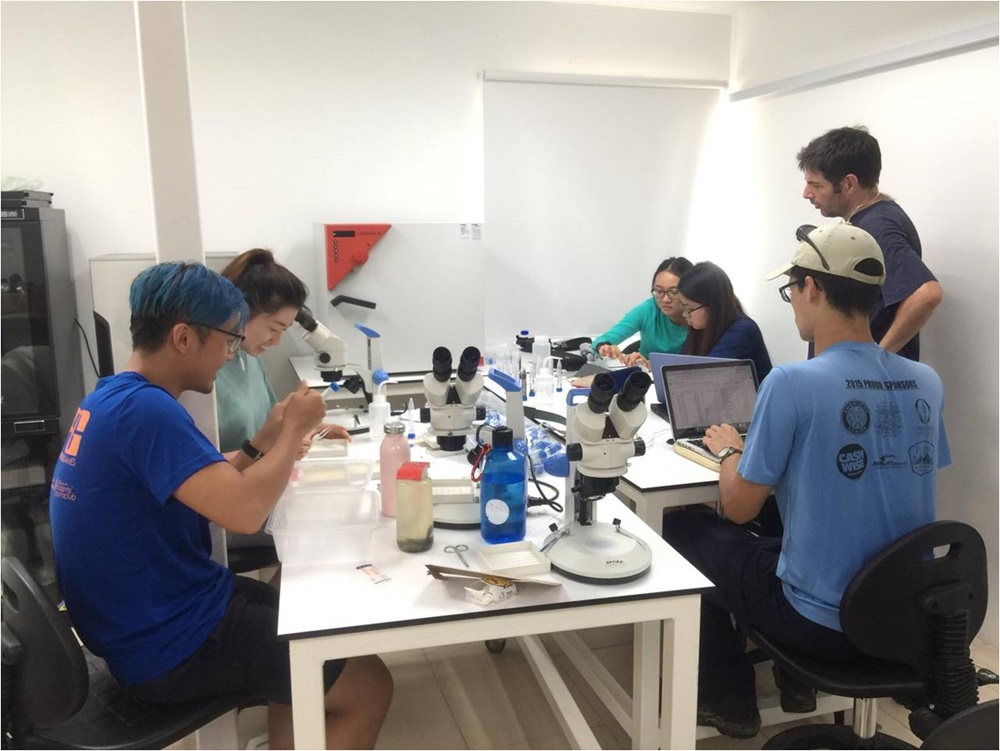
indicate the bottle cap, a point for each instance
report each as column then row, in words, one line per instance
column 412, row 471
column 503, row 437
column 394, row 428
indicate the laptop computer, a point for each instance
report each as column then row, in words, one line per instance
column 656, row 362
column 699, row 395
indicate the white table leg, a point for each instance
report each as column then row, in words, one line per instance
column 646, row 685
column 308, row 708
column 680, row 675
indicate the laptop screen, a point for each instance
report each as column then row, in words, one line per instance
column 707, row 394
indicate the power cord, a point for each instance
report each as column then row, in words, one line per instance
column 544, row 500
column 87, row 342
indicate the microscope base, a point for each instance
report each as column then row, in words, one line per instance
column 597, row 553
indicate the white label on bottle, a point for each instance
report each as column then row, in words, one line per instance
column 497, row 511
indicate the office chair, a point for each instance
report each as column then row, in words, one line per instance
column 245, row 560
column 58, row 695
column 911, row 611
column 977, row 727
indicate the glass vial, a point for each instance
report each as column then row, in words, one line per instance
column 393, row 453
column 414, row 508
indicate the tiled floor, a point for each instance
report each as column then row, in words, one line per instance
column 466, row 697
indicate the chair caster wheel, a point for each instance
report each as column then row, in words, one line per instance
column 496, row 645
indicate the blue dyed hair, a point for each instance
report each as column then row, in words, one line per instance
column 178, row 292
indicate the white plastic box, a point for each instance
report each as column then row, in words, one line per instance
column 326, row 514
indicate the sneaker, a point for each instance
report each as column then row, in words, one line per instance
column 796, row 697
column 733, row 718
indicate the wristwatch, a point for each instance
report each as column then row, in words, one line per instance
column 727, row 452
column 250, row 450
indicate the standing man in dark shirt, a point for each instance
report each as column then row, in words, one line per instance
column 842, row 169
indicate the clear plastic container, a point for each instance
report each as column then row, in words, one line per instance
column 393, row 453
column 414, row 508
column 330, row 473
column 323, row 525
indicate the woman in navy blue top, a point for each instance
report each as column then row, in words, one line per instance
column 717, row 325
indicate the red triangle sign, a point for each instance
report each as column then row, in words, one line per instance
column 347, row 246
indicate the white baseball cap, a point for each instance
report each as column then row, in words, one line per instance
column 835, row 249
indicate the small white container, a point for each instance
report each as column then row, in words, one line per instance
column 520, row 558
column 318, row 525
column 330, row 474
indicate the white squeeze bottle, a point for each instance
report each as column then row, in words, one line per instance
column 378, row 413
column 393, row 453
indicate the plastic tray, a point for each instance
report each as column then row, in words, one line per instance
column 514, row 559
column 324, row 449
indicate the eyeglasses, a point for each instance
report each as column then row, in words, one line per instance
column 785, row 290
column 661, row 293
column 802, row 235
column 235, row 340
column 686, row 312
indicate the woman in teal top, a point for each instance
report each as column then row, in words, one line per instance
column 658, row 319
column 244, row 398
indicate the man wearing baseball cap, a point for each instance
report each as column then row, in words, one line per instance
column 848, row 442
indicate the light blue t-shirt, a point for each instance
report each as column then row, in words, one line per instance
column 243, row 399
column 850, row 441
column 657, row 333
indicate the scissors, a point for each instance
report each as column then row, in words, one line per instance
column 458, row 550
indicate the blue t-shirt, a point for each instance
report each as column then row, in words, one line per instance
column 657, row 333
column 743, row 341
column 134, row 563
column 850, row 441
column 905, row 270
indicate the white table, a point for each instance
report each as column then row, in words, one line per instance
column 336, row 611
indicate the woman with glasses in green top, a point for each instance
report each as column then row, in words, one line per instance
column 657, row 319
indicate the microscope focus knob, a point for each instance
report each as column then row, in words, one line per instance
column 640, row 447
column 574, row 452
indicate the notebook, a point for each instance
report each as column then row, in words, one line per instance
column 656, row 362
column 699, row 395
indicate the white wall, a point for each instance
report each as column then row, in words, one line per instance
column 937, row 124
column 303, row 112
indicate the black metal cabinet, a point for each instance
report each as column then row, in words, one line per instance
column 42, row 380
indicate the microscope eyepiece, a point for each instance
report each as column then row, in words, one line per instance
column 305, row 319
column 468, row 364
column 441, row 364
column 602, row 390
column 634, row 391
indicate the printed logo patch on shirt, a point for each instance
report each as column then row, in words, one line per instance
column 855, row 417
column 922, row 457
column 923, row 410
column 75, row 436
column 889, row 461
column 852, row 461
column 888, row 419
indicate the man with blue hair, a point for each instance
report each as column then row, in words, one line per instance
column 132, row 495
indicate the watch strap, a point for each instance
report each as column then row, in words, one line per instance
column 727, row 452
column 250, row 450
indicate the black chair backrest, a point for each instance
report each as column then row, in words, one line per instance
column 50, row 681
column 889, row 608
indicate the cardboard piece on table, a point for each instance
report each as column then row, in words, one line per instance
column 447, row 572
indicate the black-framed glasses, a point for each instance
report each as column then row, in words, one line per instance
column 235, row 339
column 802, row 235
column 686, row 312
column 785, row 290
column 661, row 293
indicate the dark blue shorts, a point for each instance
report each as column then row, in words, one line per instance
column 242, row 654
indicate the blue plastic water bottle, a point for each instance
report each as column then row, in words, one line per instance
column 504, row 491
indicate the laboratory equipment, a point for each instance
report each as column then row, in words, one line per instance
column 393, row 454
column 458, row 550
column 331, row 356
column 347, row 246
column 456, row 504
column 378, row 412
column 600, row 439
column 503, row 492
column 414, row 508
column 451, row 403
